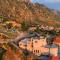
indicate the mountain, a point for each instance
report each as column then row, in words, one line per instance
column 57, row 12
column 25, row 10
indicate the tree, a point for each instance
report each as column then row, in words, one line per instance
column 53, row 32
column 50, row 40
column 24, row 26
column 37, row 29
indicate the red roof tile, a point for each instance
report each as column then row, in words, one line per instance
column 54, row 58
column 57, row 39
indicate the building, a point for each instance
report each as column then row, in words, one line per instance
column 57, row 40
column 54, row 58
column 13, row 23
column 36, row 45
column 32, row 28
column 54, row 50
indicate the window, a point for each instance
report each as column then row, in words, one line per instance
column 25, row 45
column 38, row 51
column 34, row 51
column 35, row 41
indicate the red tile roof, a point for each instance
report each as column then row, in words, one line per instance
column 57, row 39
column 54, row 58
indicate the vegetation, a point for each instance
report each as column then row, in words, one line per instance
column 29, row 12
column 26, row 14
column 2, row 51
column 24, row 26
column 37, row 29
column 50, row 41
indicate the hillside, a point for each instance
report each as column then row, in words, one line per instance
column 13, row 13
column 57, row 12
column 20, row 10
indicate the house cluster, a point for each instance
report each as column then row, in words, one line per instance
column 45, row 27
column 39, row 45
column 42, row 27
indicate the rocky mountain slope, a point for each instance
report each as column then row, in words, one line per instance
column 57, row 12
column 24, row 10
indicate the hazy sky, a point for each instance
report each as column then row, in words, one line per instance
column 53, row 4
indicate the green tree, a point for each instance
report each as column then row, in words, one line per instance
column 37, row 29
column 50, row 40
column 24, row 26
column 53, row 32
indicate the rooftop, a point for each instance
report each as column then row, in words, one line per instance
column 57, row 39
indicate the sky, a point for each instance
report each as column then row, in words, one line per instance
column 53, row 4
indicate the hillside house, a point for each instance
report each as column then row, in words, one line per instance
column 14, row 23
column 32, row 28
column 37, row 46
column 57, row 40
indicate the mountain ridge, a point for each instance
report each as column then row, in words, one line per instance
column 28, row 11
